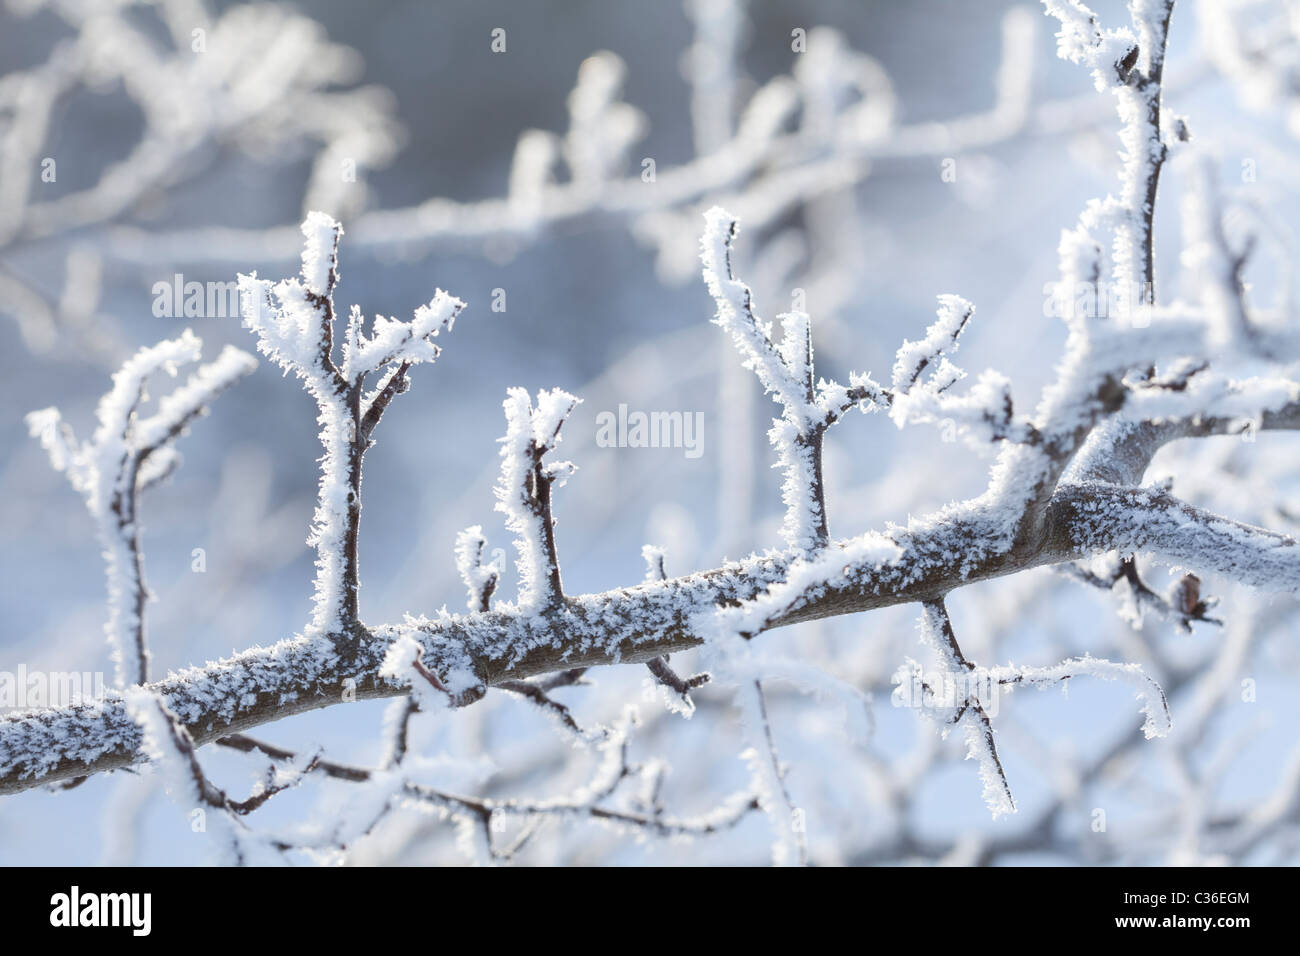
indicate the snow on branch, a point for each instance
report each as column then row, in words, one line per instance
column 1214, row 265
column 1066, row 487
column 480, row 579
column 1128, row 62
column 1152, row 521
column 294, row 321
column 486, row 824
column 789, row 846
column 524, row 491
column 940, row 341
column 969, row 712
column 985, row 414
column 795, row 138
column 602, row 128
column 399, row 343
column 167, row 744
column 404, row 664
column 1157, row 721
column 1109, row 253
column 808, row 407
column 965, row 693
column 128, row 453
column 272, row 85
column 728, row 632
column 784, row 371
column 1182, row 604
column 677, row 689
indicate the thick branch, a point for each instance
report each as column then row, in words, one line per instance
column 629, row 625
column 1121, row 452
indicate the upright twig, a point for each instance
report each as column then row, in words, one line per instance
column 294, row 322
column 524, row 491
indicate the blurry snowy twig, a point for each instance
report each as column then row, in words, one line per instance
column 258, row 78
column 128, row 454
column 482, row 819
column 796, row 137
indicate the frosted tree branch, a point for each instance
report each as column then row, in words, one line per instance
column 659, row 667
column 272, row 84
column 1068, row 489
column 480, row 579
column 294, row 321
column 128, row 453
column 524, row 491
column 797, row 136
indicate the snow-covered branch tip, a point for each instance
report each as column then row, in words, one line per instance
column 923, row 377
column 480, row 579
column 128, row 453
column 524, row 490
column 294, row 321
